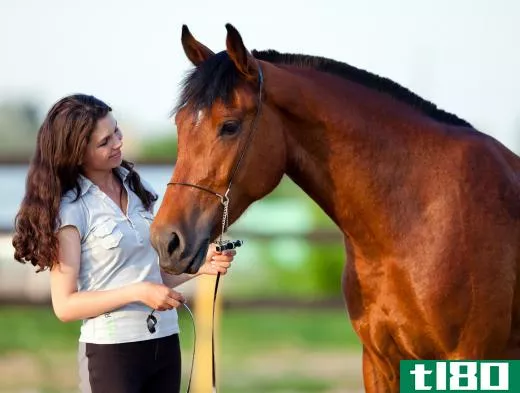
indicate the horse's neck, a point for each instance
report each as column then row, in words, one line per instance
column 342, row 153
column 342, row 175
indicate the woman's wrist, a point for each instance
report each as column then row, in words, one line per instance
column 135, row 292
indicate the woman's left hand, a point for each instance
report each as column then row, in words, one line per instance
column 217, row 262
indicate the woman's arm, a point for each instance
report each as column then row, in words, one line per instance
column 71, row 305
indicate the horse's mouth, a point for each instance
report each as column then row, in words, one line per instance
column 191, row 267
column 195, row 264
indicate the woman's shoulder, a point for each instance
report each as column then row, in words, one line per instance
column 70, row 198
column 71, row 201
column 73, row 212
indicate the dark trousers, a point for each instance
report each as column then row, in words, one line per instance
column 152, row 366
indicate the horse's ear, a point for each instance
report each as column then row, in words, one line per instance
column 195, row 51
column 243, row 60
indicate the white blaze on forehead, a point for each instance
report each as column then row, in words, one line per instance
column 200, row 115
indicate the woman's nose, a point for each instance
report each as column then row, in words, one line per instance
column 118, row 142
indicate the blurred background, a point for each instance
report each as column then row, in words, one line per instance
column 282, row 326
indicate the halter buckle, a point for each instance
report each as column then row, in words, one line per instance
column 224, row 199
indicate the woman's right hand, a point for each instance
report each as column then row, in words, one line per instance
column 159, row 296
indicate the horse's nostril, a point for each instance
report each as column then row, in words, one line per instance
column 173, row 244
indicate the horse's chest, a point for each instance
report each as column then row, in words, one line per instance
column 382, row 311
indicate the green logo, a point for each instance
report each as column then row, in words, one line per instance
column 460, row 376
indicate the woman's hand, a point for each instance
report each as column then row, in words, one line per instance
column 217, row 262
column 159, row 296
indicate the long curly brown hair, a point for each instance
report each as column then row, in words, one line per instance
column 54, row 170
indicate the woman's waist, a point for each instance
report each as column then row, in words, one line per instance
column 126, row 324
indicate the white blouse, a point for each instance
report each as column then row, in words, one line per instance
column 115, row 251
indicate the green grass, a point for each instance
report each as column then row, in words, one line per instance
column 259, row 350
column 291, row 384
column 35, row 329
column 313, row 329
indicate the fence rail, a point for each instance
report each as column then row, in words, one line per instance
column 20, row 284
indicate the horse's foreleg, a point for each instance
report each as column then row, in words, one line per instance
column 374, row 377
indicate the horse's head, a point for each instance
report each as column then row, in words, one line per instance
column 227, row 139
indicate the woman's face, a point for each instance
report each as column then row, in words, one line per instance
column 104, row 148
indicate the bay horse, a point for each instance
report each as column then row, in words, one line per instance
column 429, row 206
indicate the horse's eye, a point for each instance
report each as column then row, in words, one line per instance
column 229, row 128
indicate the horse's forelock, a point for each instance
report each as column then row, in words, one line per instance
column 215, row 79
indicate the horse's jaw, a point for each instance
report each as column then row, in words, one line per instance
column 185, row 262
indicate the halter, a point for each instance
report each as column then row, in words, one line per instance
column 221, row 244
column 224, row 198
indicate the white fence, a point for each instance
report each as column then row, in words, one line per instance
column 19, row 282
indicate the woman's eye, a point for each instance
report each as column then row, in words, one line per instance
column 229, row 128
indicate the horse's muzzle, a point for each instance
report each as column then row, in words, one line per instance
column 176, row 255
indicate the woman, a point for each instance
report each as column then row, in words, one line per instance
column 86, row 216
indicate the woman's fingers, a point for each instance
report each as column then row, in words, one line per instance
column 173, row 303
column 173, row 299
column 176, row 296
column 226, row 253
column 221, row 267
column 225, row 264
column 230, row 253
column 223, row 258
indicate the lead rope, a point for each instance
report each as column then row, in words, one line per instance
column 225, row 203
column 224, row 199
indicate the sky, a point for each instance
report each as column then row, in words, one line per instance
column 462, row 55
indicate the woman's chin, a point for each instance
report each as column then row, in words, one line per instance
column 116, row 161
column 118, row 157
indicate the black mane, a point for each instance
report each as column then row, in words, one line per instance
column 217, row 77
